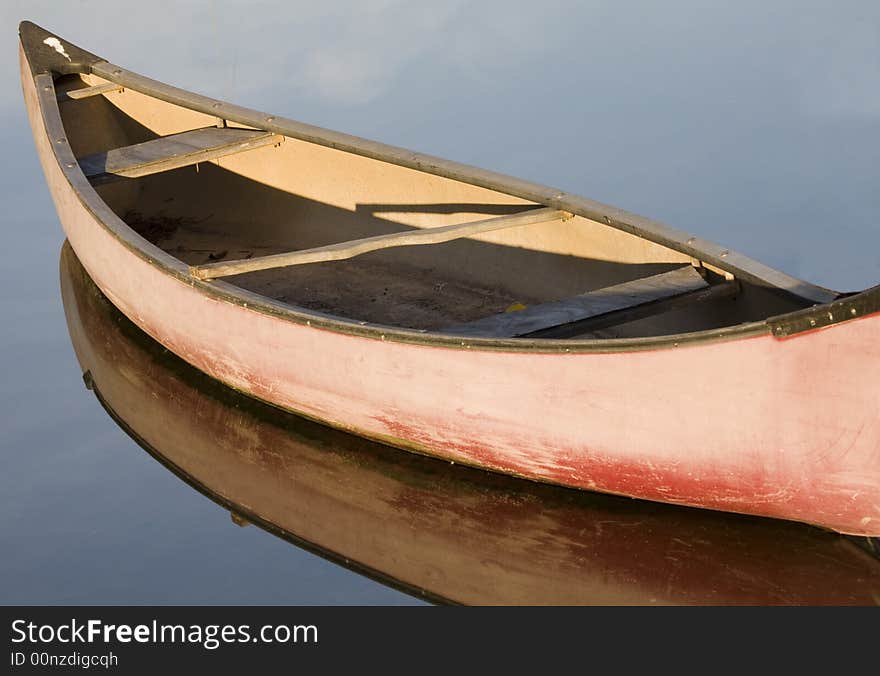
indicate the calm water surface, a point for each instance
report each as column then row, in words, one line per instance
column 756, row 127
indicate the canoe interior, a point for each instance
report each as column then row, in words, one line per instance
column 297, row 195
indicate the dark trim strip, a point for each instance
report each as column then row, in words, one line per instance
column 850, row 307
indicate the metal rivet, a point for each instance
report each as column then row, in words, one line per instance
column 608, row 220
column 215, row 105
column 724, row 253
column 47, row 88
column 691, row 240
column 70, row 165
column 852, row 311
column 117, row 72
column 831, row 316
column 61, row 140
column 812, row 322
column 270, row 119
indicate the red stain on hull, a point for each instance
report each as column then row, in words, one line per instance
column 683, row 482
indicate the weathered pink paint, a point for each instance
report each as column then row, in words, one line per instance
column 780, row 428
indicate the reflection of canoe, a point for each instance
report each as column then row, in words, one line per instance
column 447, row 532
column 645, row 362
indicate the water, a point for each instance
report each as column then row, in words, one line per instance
column 753, row 127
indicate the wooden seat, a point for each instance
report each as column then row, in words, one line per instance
column 87, row 92
column 358, row 247
column 600, row 308
column 173, row 152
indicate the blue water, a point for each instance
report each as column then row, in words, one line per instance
column 756, row 127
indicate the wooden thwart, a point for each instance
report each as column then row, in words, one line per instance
column 352, row 248
column 600, row 308
column 173, row 152
column 86, row 92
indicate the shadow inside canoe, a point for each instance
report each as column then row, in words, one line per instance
column 231, row 210
column 441, row 531
column 216, row 214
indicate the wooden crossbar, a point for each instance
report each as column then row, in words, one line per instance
column 352, row 248
column 173, row 152
column 600, row 308
column 86, row 92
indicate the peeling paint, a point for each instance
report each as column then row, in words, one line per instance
column 55, row 44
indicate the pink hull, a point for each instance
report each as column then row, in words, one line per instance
column 781, row 428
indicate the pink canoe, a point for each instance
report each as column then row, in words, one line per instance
column 456, row 312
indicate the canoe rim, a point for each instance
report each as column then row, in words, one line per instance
column 46, row 63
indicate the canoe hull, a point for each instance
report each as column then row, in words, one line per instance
column 781, row 428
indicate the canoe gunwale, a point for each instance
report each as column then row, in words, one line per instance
column 831, row 307
column 678, row 240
